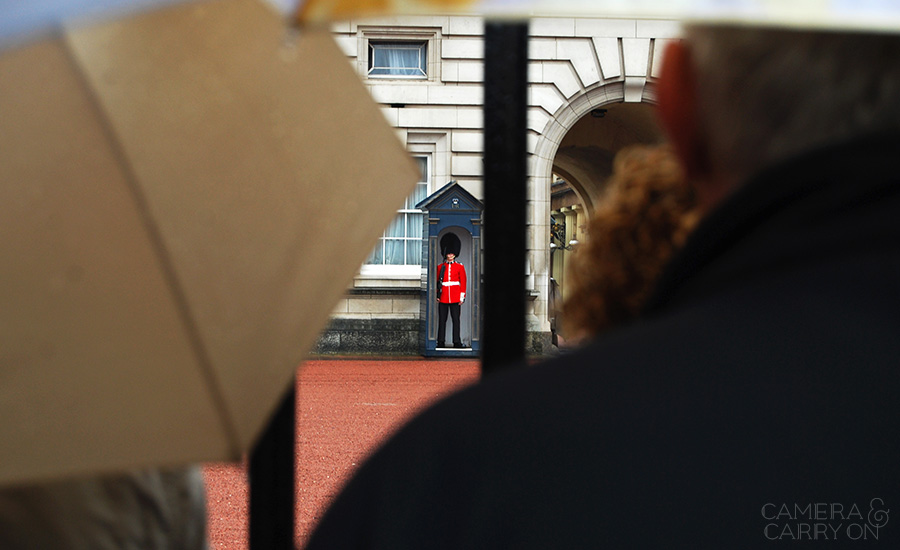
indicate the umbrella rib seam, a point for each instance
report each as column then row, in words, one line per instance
column 166, row 263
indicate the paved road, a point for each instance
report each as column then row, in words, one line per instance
column 345, row 409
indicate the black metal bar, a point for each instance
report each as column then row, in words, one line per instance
column 272, row 493
column 505, row 106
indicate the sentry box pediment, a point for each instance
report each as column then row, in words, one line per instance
column 451, row 198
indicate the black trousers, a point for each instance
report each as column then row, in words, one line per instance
column 443, row 310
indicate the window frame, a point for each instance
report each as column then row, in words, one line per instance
column 420, row 45
column 430, row 37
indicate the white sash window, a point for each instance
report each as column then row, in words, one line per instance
column 401, row 244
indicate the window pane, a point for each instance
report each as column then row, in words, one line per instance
column 422, row 163
column 414, row 226
column 393, row 251
column 421, row 191
column 397, row 59
column 377, row 255
column 396, row 228
column 418, row 195
column 414, row 252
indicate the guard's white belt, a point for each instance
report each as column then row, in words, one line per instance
column 450, row 283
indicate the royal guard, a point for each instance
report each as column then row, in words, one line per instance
column 451, row 289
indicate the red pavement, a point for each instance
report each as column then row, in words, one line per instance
column 345, row 407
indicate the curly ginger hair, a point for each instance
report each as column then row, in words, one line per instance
column 646, row 213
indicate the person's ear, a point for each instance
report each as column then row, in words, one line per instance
column 677, row 110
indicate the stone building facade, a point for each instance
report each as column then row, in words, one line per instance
column 590, row 92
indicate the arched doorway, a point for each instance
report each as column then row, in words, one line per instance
column 573, row 168
column 585, row 154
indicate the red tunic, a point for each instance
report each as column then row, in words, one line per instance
column 453, row 289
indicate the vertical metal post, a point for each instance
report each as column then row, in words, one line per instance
column 272, row 493
column 505, row 106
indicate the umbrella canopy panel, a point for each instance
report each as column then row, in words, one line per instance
column 87, row 310
column 171, row 245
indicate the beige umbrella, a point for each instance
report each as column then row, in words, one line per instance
column 185, row 195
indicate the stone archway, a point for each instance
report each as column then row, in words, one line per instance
column 587, row 149
column 579, row 143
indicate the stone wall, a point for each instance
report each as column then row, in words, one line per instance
column 369, row 337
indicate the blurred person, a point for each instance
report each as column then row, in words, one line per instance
column 644, row 215
column 153, row 509
column 754, row 398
